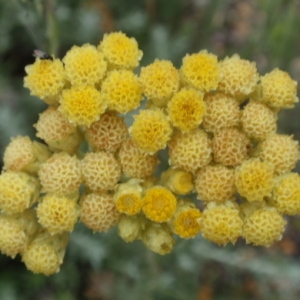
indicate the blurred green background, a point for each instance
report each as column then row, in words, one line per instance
column 102, row 266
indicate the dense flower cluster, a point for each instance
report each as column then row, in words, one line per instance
column 216, row 119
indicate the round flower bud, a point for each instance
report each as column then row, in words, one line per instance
column 186, row 109
column 230, row 146
column 278, row 90
column 254, row 179
column 22, row 154
column 45, row 78
column 120, row 51
column 122, row 91
column 107, row 133
column 18, row 191
column 215, row 183
column 150, row 130
column 45, row 253
column 84, row 65
column 159, row 80
column 238, row 77
column 281, row 151
column 190, row 151
column 100, row 171
column 134, row 162
column 221, row 223
column 60, row 174
column 128, row 197
column 200, row 71
column 57, row 213
column 98, row 212
column 263, row 227
column 82, row 105
column 159, row 204
column 258, row 120
column 178, row 181
column 158, row 238
column 130, row 227
column 57, row 131
column 221, row 111
column 286, row 194
column 186, row 220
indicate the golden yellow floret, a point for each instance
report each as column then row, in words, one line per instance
column 254, row 179
column 121, row 91
column 60, row 174
column 120, row 51
column 128, row 197
column 134, row 162
column 263, row 227
column 13, row 238
column 45, row 253
column 221, row 223
column 286, row 194
column 45, row 78
column 22, row 154
column 85, row 65
column 108, row 133
column 158, row 238
column 18, row 191
column 178, row 181
column 57, row 131
column 82, row 105
column 150, row 130
column 186, row 109
column 57, row 213
column 258, row 120
column 190, row 151
column 100, row 171
column 277, row 89
column 282, row 151
column 98, row 212
column 186, row 220
column 159, row 80
column 215, row 183
column 159, row 204
column 200, row 71
column 130, row 228
column 238, row 77
column 221, row 111
column 230, row 146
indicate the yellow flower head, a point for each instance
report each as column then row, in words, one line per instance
column 57, row 213
column 221, row 223
column 159, row 204
column 150, row 130
column 254, row 179
column 160, row 80
column 186, row 109
column 238, row 77
column 84, row 65
column 128, row 197
column 120, row 51
column 263, row 227
column 18, row 191
column 280, row 150
column 286, row 194
column 130, row 227
column 45, row 78
column 221, row 111
column 98, row 212
column 186, row 220
column 200, row 71
column 82, row 105
column 278, row 89
column 122, row 91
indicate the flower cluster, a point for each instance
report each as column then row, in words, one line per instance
column 217, row 120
